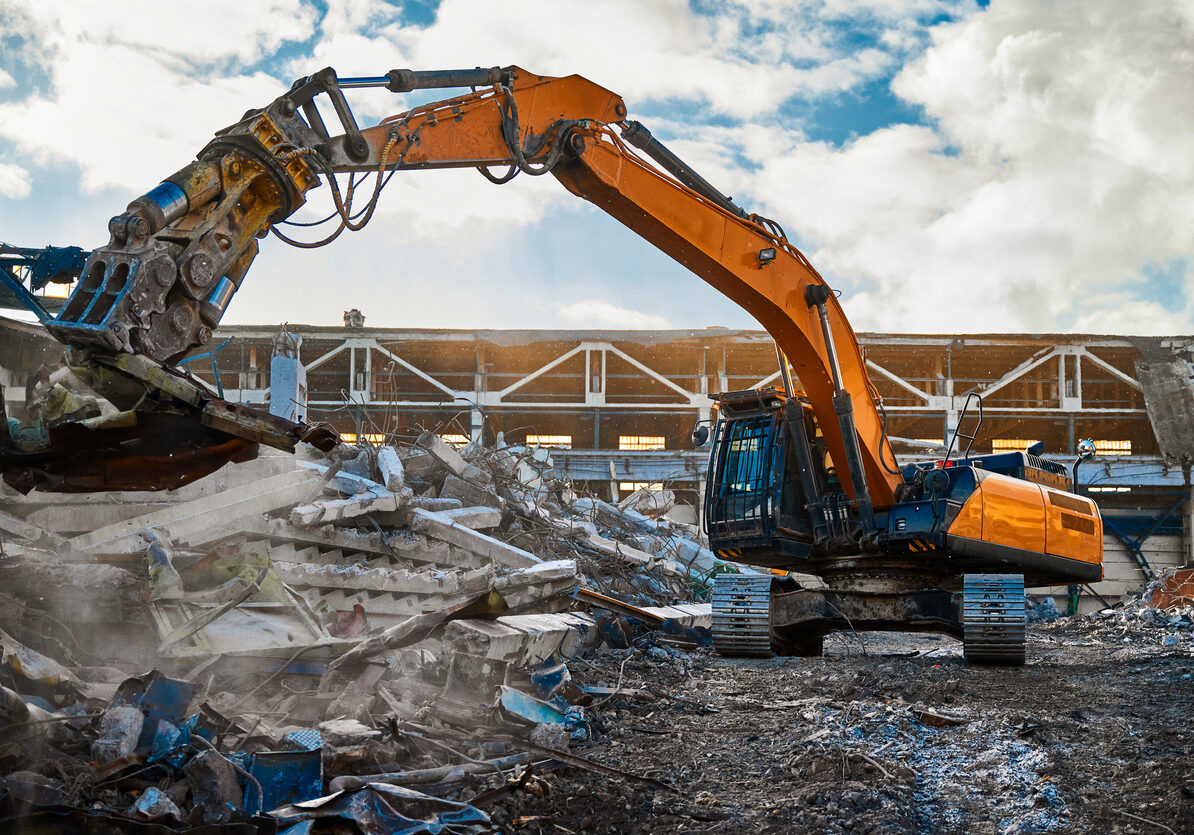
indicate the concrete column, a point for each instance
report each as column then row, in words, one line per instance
column 477, row 417
column 288, row 379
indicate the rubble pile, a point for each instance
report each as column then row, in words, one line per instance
column 380, row 637
column 1161, row 613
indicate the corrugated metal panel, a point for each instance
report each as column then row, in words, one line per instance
column 1120, row 572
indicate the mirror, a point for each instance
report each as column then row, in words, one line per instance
column 700, row 436
column 1086, row 449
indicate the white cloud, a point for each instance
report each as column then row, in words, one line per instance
column 1115, row 314
column 183, row 33
column 1052, row 165
column 133, row 96
column 15, row 181
column 740, row 59
column 1059, row 166
column 592, row 313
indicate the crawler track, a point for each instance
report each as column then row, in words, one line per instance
column 994, row 619
column 742, row 615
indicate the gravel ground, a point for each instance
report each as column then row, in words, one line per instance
column 892, row 736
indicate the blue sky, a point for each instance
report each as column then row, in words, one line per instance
column 1012, row 167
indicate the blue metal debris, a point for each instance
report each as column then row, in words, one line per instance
column 159, row 697
column 172, row 743
column 518, row 705
column 285, row 777
column 394, row 810
column 550, row 676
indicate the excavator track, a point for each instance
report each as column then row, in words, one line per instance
column 993, row 619
column 742, row 615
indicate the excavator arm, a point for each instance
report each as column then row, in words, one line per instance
column 178, row 254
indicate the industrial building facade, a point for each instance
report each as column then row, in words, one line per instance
column 618, row 407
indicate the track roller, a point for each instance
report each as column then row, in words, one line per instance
column 742, row 615
column 993, row 619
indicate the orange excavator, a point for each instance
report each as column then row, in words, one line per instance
column 801, row 479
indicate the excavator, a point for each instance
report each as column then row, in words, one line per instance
column 802, row 480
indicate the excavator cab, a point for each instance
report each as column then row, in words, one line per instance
column 770, row 480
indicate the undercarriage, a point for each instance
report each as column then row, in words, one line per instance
column 760, row 615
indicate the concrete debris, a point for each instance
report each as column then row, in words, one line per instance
column 415, row 638
column 652, row 503
column 361, row 621
column 119, row 731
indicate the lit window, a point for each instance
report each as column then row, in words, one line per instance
column 640, row 442
column 631, row 486
column 1113, row 447
column 454, row 438
column 1109, row 489
column 371, row 437
column 1011, row 444
column 561, row 441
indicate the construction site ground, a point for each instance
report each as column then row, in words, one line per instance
column 894, row 735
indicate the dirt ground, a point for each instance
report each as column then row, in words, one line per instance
column 896, row 735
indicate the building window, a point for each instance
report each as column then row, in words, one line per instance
column 1011, row 444
column 454, row 438
column 559, row 441
column 1113, row 447
column 631, row 486
column 371, row 437
column 640, row 442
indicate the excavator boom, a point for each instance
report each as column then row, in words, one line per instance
column 179, row 253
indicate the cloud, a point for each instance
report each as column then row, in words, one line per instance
column 15, row 181
column 739, row 59
column 1054, row 165
column 133, row 97
column 188, row 34
column 1116, row 314
column 593, row 313
column 1045, row 165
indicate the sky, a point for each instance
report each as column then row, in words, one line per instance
column 948, row 165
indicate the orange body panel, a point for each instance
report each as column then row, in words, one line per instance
column 1020, row 514
column 1074, row 528
column 1013, row 512
column 969, row 521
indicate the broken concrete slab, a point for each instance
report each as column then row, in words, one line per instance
column 202, row 520
column 381, row 579
column 651, row 503
column 447, row 455
column 374, row 500
column 393, row 473
column 445, row 529
column 469, row 494
column 521, row 640
column 278, row 531
column 686, row 614
column 479, row 518
column 610, row 516
column 27, row 531
column 626, row 553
